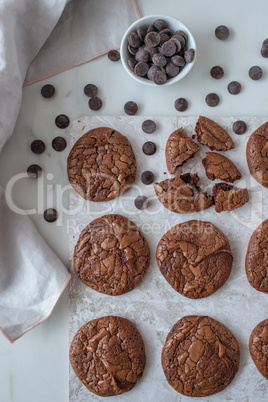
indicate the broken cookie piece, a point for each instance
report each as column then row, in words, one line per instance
column 227, row 197
column 181, row 194
column 179, row 148
column 212, row 135
column 218, row 166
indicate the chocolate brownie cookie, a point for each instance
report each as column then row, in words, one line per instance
column 227, row 197
column 257, row 154
column 101, row 165
column 257, row 258
column 200, row 357
column 111, row 255
column 195, row 258
column 181, row 194
column 218, row 166
column 258, row 347
column 179, row 148
column 212, row 135
column 108, row 355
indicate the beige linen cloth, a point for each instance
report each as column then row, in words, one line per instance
column 31, row 275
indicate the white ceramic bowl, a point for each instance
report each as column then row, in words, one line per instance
column 144, row 22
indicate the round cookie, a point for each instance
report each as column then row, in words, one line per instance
column 101, row 165
column 108, row 355
column 195, row 258
column 256, row 263
column 111, row 255
column 200, row 357
column 257, row 154
column 258, row 347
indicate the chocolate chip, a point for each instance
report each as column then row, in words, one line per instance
column 152, row 70
column 141, row 202
column 169, row 48
column 222, row 32
column 255, row 73
column 131, row 108
column 141, row 69
column 234, row 88
column 147, row 177
column 148, row 126
column 189, row 55
column 217, row 72
column 212, row 99
column 132, row 50
column 134, row 40
column 38, row 147
column 177, row 43
column 178, row 60
column 151, row 28
column 159, row 60
column 95, row 103
column 160, row 24
column 239, row 127
column 62, row 121
column 172, row 70
column 152, row 39
column 90, row 90
column 159, row 77
column 183, row 34
column 34, row 171
column 132, row 63
column 113, row 55
column 181, row 104
column 50, row 215
column 264, row 51
column 142, row 55
column 180, row 39
column 163, row 38
column 149, row 148
column 59, row 144
column 265, row 42
column 141, row 34
column 47, row 91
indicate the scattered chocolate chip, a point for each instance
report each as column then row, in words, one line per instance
column 62, row 121
column 130, row 108
column 90, row 90
column 217, row 72
column 50, row 215
column 34, row 171
column 141, row 202
column 212, row 100
column 113, row 55
column 239, row 127
column 149, row 148
column 264, row 51
column 159, row 60
column 59, row 144
column 38, row 147
column 134, row 40
column 141, row 69
column 132, row 63
column 47, row 91
column 169, row 48
column 234, row 88
column 95, row 103
column 172, row 70
column 160, row 24
column 181, row 104
column 159, row 77
column 148, row 126
column 189, row 55
column 222, row 32
column 147, row 177
column 152, row 39
column 255, row 73
column 265, row 42
column 178, row 60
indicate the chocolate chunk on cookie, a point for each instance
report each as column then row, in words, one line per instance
column 111, row 255
column 200, row 357
column 219, row 167
column 195, row 258
column 257, row 258
column 258, row 347
column 181, row 194
column 212, row 135
column 227, row 197
column 257, row 154
column 108, row 355
column 179, row 148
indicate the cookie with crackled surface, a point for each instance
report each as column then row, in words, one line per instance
column 258, row 347
column 257, row 154
column 108, row 355
column 257, row 258
column 228, row 198
column 195, row 258
column 111, row 255
column 101, row 165
column 212, row 135
column 200, row 356
column 219, row 167
column 179, row 149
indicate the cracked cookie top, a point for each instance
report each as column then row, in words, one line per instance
column 219, row 167
column 111, row 255
column 258, row 347
column 213, row 135
column 195, row 258
column 227, row 197
column 200, row 357
column 257, row 154
column 108, row 355
column 101, row 165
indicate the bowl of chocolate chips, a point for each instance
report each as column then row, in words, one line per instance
column 158, row 50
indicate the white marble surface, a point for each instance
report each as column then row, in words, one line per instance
column 35, row 368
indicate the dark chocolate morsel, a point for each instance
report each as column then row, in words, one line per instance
column 255, row 73
column 217, row 72
column 239, row 127
column 172, row 70
column 47, row 91
column 160, row 24
column 147, row 177
column 34, row 171
column 212, row 99
column 189, row 55
column 130, row 108
column 59, row 144
column 222, row 32
column 159, row 60
column 152, row 39
column 141, row 202
column 90, row 90
column 141, row 69
column 62, row 121
column 148, row 126
column 159, row 77
column 264, row 51
column 38, row 147
column 234, row 88
column 113, row 55
column 181, row 104
column 178, row 60
column 132, row 63
column 95, row 103
column 50, row 215
column 149, row 148
column 134, row 40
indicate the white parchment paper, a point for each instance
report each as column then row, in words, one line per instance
column 154, row 306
